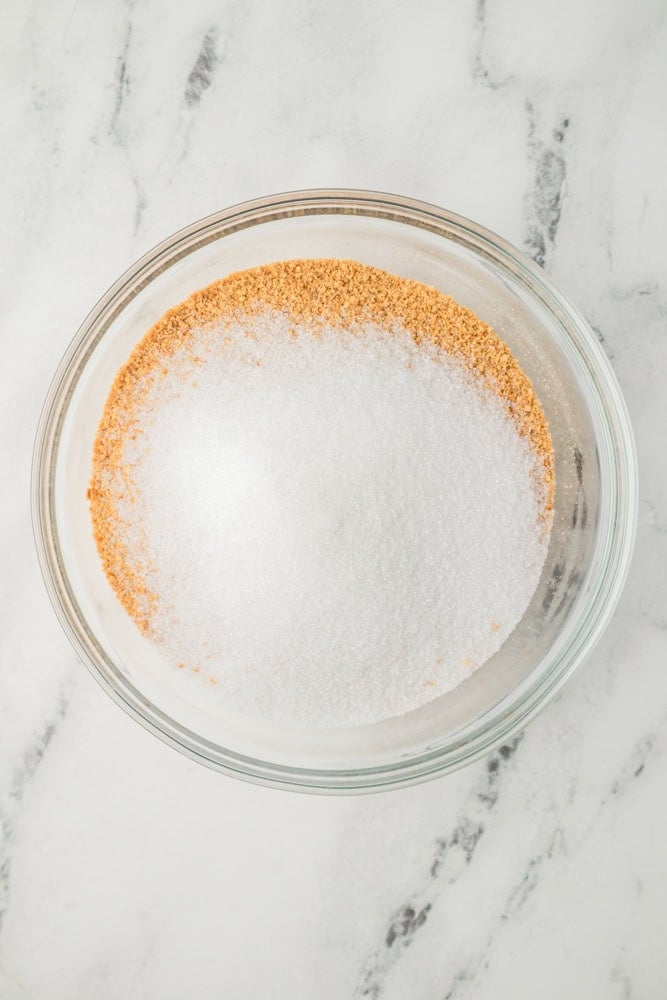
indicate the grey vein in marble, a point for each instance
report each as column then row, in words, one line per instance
column 24, row 771
column 636, row 765
column 531, row 874
column 201, row 74
column 481, row 71
column 468, row 978
column 603, row 342
column 479, row 68
column 407, row 920
column 544, row 203
column 122, row 74
column 118, row 133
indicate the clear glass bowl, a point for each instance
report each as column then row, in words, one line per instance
column 595, row 504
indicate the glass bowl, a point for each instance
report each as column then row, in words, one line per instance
column 595, row 503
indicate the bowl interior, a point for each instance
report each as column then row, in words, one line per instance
column 457, row 263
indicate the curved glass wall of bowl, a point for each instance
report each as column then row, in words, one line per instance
column 595, row 503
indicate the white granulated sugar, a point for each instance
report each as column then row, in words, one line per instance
column 339, row 527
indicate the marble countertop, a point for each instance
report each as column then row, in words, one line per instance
column 129, row 872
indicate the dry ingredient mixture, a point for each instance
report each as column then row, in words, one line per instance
column 324, row 490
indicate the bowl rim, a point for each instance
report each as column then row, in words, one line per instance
column 617, row 546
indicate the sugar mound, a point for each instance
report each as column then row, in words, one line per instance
column 338, row 527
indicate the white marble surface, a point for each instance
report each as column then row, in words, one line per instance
column 128, row 872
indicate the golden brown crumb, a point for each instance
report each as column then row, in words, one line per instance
column 315, row 292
